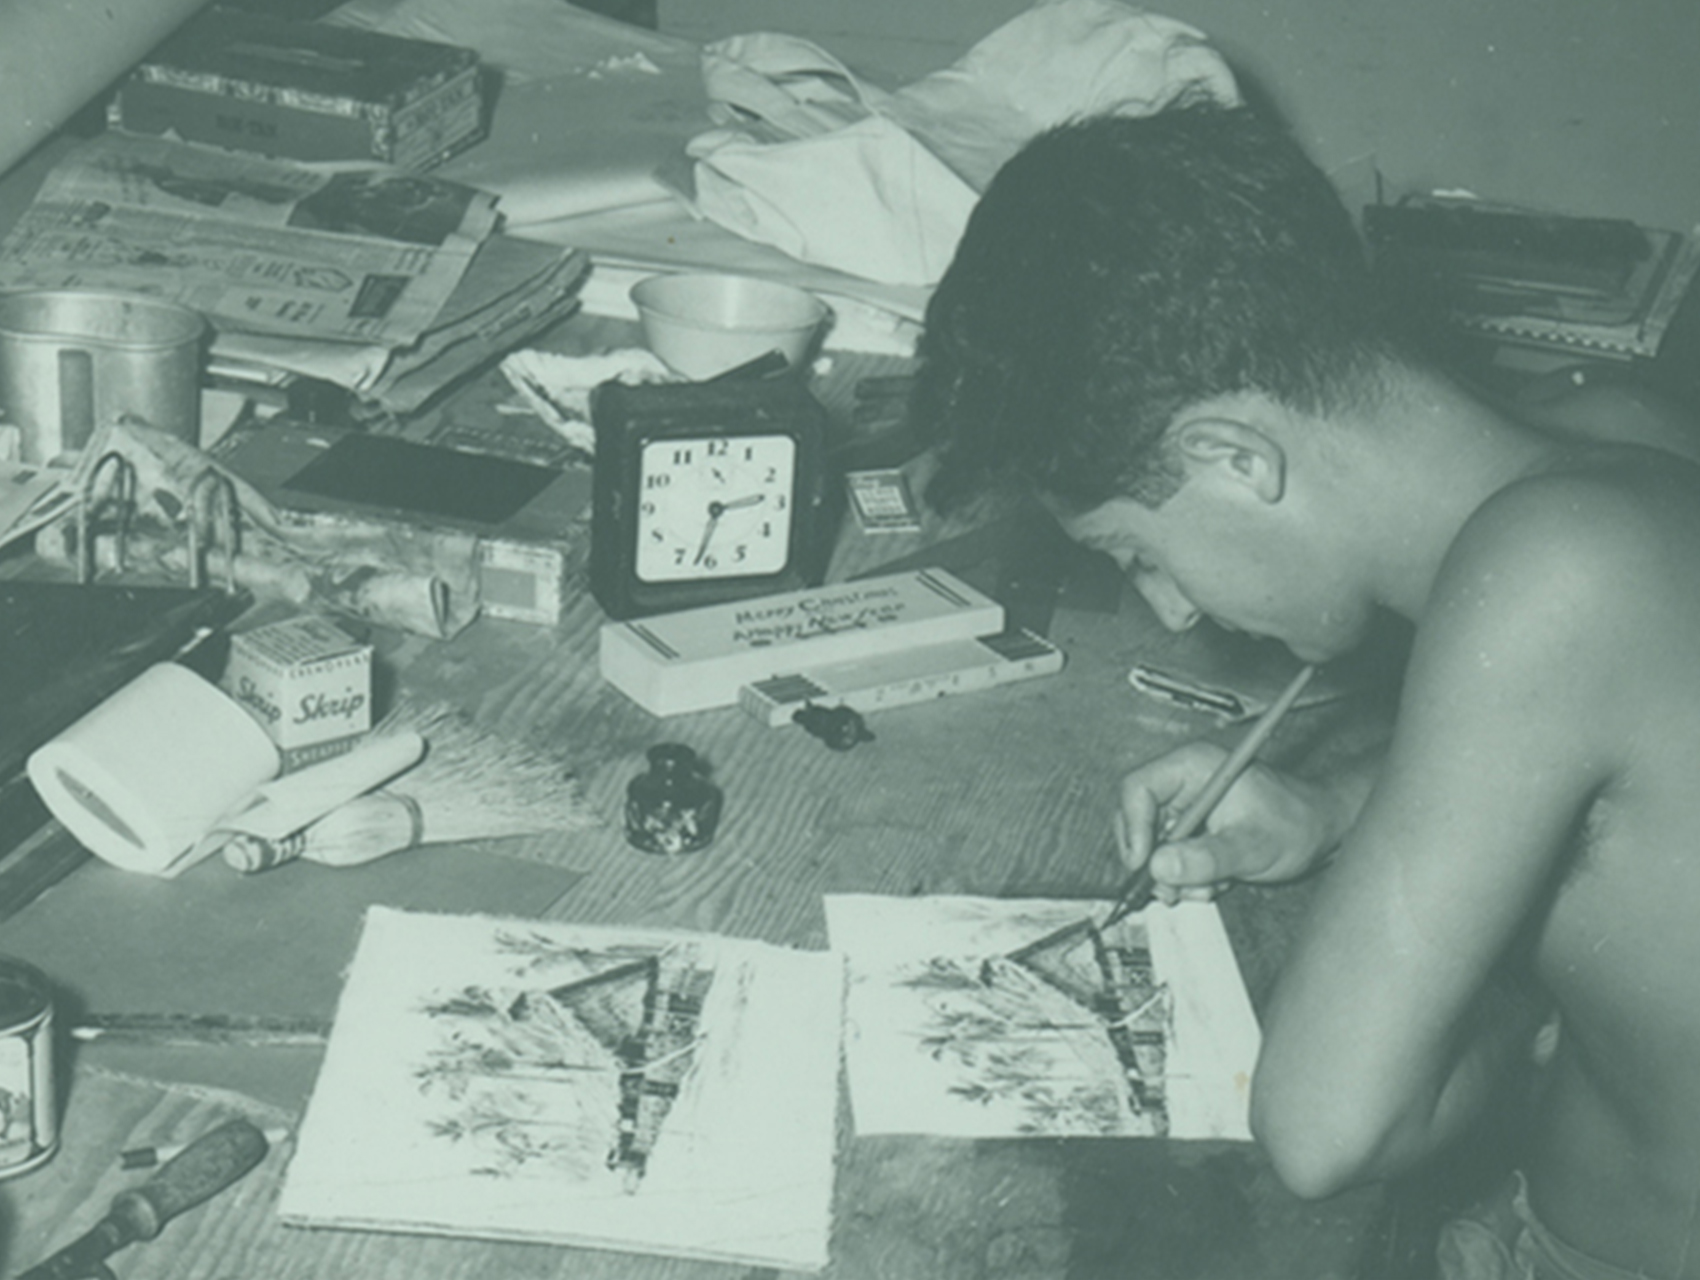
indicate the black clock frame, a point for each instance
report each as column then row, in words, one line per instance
column 626, row 417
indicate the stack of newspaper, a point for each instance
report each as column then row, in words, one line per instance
column 388, row 283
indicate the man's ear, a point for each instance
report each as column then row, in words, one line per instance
column 1244, row 454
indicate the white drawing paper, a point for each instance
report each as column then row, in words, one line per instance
column 654, row 1092
column 1145, row 1030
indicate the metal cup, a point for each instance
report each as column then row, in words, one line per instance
column 71, row 359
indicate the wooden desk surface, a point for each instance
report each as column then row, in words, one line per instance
column 1000, row 793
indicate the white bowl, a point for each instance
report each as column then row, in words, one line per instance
column 705, row 324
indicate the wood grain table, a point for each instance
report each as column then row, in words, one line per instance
column 1006, row 792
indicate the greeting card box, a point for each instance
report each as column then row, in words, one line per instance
column 698, row 659
column 306, row 90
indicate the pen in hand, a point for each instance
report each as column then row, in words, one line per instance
column 1141, row 887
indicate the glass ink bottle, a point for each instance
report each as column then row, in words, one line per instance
column 672, row 808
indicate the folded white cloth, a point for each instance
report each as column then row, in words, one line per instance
column 842, row 174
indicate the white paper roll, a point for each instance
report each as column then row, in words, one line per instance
column 141, row 778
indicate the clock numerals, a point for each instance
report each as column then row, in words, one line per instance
column 714, row 507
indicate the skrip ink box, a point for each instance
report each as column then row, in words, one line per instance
column 307, row 682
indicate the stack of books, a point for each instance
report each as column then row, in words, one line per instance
column 1593, row 288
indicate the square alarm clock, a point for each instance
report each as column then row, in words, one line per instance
column 706, row 492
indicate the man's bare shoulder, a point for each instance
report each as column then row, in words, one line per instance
column 1595, row 558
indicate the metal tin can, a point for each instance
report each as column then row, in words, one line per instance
column 29, row 1114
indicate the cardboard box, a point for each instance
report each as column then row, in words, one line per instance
column 308, row 684
column 698, row 659
column 307, row 91
column 528, row 558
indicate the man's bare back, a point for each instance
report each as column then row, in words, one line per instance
column 1615, row 1165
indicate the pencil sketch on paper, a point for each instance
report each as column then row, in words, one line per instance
column 1140, row 1030
column 1070, row 1039
column 612, row 1040
column 669, row 1093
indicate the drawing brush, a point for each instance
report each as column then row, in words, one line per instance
column 473, row 784
column 1141, row 886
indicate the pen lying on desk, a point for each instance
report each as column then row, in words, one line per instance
column 1141, row 886
column 201, row 1028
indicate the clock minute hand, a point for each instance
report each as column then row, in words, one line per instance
column 715, row 509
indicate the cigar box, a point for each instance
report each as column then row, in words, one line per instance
column 305, row 91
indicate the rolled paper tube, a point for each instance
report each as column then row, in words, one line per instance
column 141, row 778
column 256, row 834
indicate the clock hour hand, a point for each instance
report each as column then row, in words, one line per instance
column 715, row 511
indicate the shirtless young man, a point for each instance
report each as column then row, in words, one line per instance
column 1164, row 327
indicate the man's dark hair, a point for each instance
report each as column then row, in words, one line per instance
column 1119, row 269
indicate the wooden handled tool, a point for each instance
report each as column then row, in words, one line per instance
column 204, row 1168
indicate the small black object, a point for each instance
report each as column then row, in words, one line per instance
column 839, row 727
column 673, row 808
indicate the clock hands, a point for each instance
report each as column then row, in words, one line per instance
column 717, row 509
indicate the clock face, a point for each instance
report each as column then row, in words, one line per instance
column 714, row 507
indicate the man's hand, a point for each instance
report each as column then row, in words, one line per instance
column 1268, row 827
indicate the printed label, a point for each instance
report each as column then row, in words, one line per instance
column 17, row 1102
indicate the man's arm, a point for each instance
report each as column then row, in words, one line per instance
column 1375, row 1050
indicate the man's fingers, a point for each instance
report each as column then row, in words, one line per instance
column 1136, row 824
column 1188, row 864
column 1209, row 860
column 1151, row 794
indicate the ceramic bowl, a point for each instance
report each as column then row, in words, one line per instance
column 705, row 324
